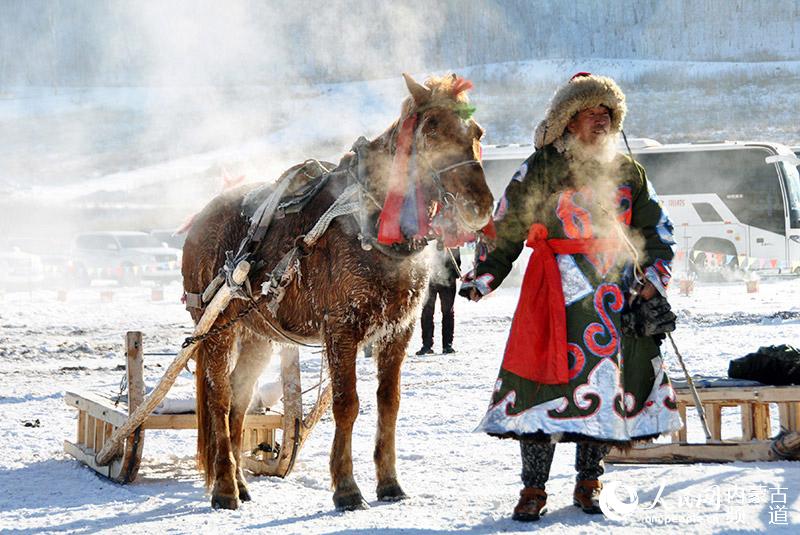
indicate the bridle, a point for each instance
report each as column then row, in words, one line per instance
column 445, row 197
column 448, row 200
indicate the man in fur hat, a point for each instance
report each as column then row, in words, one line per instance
column 582, row 363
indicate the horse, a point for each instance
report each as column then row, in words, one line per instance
column 351, row 289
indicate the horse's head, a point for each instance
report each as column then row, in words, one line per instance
column 447, row 144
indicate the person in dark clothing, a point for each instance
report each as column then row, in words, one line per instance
column 442, row 283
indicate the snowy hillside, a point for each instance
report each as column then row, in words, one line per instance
column 68, row 43
column 85, row 149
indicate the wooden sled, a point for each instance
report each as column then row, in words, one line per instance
column 99, row 417
column 755, row 443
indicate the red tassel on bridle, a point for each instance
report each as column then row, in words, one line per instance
column 389, row 231
column 461, row 85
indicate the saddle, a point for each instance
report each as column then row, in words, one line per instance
column 305, row 181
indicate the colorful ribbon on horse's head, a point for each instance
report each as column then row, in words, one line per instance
column 404, row 214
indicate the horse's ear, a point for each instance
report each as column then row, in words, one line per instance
column 419, row 92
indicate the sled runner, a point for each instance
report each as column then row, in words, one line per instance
column 756, row 442
column 271, row 440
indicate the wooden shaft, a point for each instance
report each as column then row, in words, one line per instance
column 215, row 307
column 317, row 411
column 697, row 403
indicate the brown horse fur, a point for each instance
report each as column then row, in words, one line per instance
column 344, row 297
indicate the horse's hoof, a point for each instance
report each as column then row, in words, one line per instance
column 224, row 502
column 350, row 502
column 391, row 492
column 244, row 494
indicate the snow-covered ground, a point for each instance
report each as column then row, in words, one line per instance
column 457, row 480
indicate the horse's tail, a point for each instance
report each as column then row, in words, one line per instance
column 205, row 438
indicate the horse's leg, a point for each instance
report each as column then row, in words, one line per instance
column 254, row 355
column 219, row 460
column 390, row 358
column 341, row 353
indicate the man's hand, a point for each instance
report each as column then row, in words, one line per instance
column 648, row 291
column 653, row 317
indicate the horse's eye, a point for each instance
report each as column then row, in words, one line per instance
column 432, row 123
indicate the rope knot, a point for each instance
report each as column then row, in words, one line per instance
column 537, row 232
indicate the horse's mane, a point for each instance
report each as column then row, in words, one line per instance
column 446, row 89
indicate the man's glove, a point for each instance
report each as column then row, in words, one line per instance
column 470, row 291
column 653, row 317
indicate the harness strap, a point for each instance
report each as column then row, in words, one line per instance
column 343, row 205
column 263, row 216
column 274, row 288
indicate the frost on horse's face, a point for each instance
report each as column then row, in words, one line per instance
column 448, row 141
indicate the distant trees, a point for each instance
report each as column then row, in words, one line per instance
column 85, row 42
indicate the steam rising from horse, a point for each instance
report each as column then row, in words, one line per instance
column 344, row 296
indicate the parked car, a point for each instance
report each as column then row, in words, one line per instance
column 51, row 253
column 125, row 256
column 19, row 270
column 169, row 238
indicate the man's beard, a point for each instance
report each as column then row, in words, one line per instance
column 604, row 151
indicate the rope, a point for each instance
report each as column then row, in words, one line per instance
column 278, row 329
column 340, row 207
column 455, row 264
column 219, row 328
column 123, row 385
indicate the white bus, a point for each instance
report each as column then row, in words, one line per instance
column 735, row 205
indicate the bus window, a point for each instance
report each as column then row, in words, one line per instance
column 740, row 177
column 706, row 212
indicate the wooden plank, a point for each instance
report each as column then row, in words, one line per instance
column 783, row 415
column 748, row 429
column 97, row 407
column 98, row 434
column 770, row 394
column 171, row 421
column 714, row 419
column 761, row 422
column 292, row 439
column 130, row 450
column 103, row 408
column 794, row 416
column 86, row 456
column 693, row 453
column 88, row 431
column 81, row 427
column 189, row 421
column 682, row 414
column 134, row 353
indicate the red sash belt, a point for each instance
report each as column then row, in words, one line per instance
column 537, row 345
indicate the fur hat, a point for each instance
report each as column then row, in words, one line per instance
column 584, row 90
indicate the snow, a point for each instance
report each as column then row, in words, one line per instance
column 457, row 480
